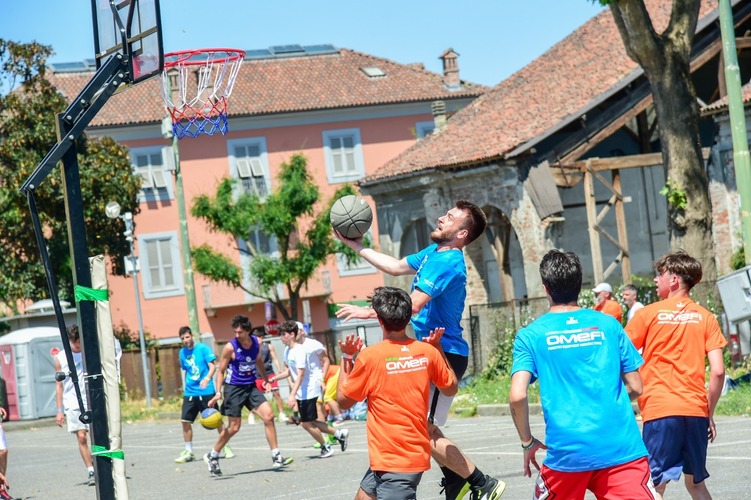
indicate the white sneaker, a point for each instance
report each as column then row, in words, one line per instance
column 252, row 419
column 283, row 418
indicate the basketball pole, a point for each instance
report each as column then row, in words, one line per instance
column 190, row 284
column 99, row 429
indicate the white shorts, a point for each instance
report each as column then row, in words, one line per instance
column 74, row 424
column 438, row 407
column 3, row 442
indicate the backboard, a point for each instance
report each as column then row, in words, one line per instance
column 132, row 28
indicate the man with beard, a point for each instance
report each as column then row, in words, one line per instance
column 438, row 294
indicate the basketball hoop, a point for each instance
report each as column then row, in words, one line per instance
column 196, row 85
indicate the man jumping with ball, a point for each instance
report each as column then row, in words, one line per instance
column 438, row 294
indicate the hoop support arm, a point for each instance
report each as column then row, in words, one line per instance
column 79, row 114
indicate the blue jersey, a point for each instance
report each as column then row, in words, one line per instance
column 442, row 276
column 195, row 362
column 579, row 357
column 243, row 366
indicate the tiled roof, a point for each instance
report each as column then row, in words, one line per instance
column 553, row 88
column 267, row 86
column 721, row 105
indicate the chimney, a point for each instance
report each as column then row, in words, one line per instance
column 451, row 70
column 439, row 114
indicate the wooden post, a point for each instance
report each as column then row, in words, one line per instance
column 594, row 235
column 620, row 221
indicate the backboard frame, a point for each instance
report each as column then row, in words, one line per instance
column 132, row 28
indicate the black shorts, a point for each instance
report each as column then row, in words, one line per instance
column 237, row 396
column 192, row 406
column 308, row 409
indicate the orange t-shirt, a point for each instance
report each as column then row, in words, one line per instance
column 676, row 335
column 395, row 376
column 611, row 307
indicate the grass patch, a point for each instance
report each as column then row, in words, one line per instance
column 737, row 402
column 487, row 391
column 135, row 410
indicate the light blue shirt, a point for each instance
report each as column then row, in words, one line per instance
column 442, row 276
column 195, row 362
column 578, row 358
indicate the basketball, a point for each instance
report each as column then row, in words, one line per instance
column 210, row 418
column 351, row 216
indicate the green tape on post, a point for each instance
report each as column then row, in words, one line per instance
column 101, row 451
column 90, row 294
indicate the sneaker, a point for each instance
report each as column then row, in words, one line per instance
column 293, row 420
column 228, row 453
column 330, row 439
column 185, row 456
column 251, row 419
column 213, row 463
column 279, row 461
column 283, row 418
column 326, row 451
column 317, row 445
column 344, row 433
column 338, row 422
column 491, row 490
column 454, row 491
column 4, row 495
column 91, row 480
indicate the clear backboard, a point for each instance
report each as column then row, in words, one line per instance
column 132, row 28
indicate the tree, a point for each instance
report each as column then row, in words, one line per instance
column 28, row 106
column 665, row 59
column 304, row 239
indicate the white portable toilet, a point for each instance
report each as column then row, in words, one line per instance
column 28, row 369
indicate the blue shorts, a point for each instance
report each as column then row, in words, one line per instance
column 675, row 445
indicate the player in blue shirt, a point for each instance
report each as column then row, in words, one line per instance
column 438, row 294
column 199, row 363
column 587, row 370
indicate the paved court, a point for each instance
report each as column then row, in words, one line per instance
column 44, row 462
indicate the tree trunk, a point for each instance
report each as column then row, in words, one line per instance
column 665, row 59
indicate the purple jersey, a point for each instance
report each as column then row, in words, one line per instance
column 243, row 366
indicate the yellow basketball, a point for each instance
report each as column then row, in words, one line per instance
column 210, row 418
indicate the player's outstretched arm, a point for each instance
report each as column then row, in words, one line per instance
column 381, row 261
column 351, row 311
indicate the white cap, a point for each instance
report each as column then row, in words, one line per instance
column 603, row 287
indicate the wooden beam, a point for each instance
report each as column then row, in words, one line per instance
column 621, row 162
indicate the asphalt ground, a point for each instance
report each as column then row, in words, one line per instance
column 44, row 462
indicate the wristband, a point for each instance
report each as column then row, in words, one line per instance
column 530, row 445
column 60, row 410
column 346, row 356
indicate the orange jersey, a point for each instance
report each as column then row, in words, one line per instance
column 676, row 335
column 395, row 376
column 611, row 307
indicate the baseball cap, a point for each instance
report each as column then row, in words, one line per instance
column 603, row 287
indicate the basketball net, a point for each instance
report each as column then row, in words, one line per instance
column 196, row 85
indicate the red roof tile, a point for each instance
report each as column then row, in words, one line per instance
column 268, row 86
column 557, row 86
column 721, row 105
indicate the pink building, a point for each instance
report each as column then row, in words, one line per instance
column 347, row 112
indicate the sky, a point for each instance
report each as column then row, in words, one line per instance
column 494, row 38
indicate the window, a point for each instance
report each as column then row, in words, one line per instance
column 248, row 163
column 160, row 265
column 153, row 165
column 424, row 128
column 416, row 236
column 343, row 151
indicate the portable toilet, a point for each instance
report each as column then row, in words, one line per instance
column 28, row 369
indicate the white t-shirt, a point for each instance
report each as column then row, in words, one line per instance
column 69, row 393
column 299, row 357
column 637, row 305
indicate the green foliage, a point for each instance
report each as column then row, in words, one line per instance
column 129, row 339
column 736, row 402
column 676, row 197
column 303, row 235
column 27, row 133
column 738, row 259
